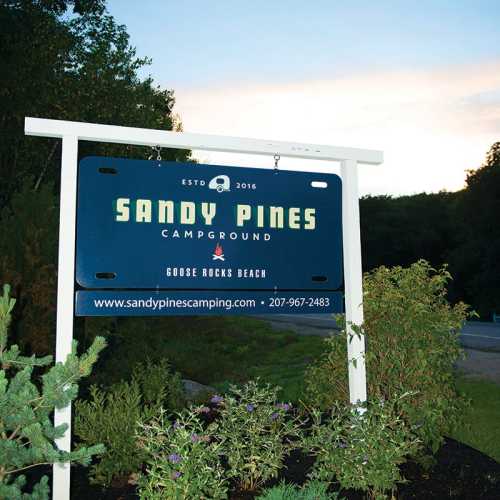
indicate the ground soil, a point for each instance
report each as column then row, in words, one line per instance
column 460, row 472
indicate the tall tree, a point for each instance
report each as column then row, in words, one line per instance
column 64, row 64
column 400, row 231
column 475, row 261
column 80, row 67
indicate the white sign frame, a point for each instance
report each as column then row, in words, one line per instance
column 72, row 132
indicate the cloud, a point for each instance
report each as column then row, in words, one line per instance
column 433, row 125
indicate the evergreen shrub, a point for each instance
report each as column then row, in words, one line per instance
column 27, row 434
column 111, row 416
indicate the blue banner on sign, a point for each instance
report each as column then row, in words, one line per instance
column 220, row 302
column 149, row 224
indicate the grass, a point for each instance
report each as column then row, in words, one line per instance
column 218, row 351
column 314, row 490
column 215, row 351
column 482, row 420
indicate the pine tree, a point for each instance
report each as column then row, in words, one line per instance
column 27, row 434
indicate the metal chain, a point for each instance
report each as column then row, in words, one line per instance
column 158, row 154
column 276, row 160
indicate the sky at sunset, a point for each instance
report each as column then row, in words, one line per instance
column 418, row 80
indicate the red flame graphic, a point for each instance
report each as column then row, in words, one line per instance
column 218, row 250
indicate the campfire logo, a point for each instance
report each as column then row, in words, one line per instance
column 218, row 253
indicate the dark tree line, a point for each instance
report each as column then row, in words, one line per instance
column 79, row 67
column 461, row 229
column 68, row 60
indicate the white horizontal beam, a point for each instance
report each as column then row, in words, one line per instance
column 181, row 140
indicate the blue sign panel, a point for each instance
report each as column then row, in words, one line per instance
column 179, row 303
column 158, row 225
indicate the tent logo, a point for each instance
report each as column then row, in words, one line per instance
column 220, row 183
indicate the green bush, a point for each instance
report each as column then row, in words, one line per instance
column 27, row 434
column 111, row 417
column 311, row 491
column 159, row 384
column 411, row 346
column 28, row 259
column 362, row 447
column 255, row 433
column 182, row 459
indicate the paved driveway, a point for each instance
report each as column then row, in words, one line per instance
column 480, row 340
column 474, row 335
column 479, row 335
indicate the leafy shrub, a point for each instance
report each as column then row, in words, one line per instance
column 362, row 449
column 28, row 257
column 27, row 437
column 411, row 346
column 159, row 384
column 182, row 459
column 314, row 490
column 111, row 417
column 255, row 433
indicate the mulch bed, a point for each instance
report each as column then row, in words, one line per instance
column 460, row 472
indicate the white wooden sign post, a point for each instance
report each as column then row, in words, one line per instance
column 72, row 132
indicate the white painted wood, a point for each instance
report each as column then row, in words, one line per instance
column 182, row 140
column 353, row 280
column 65, row 297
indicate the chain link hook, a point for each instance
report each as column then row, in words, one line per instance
column 158, row 153
column 276, row 160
